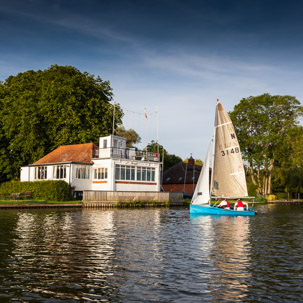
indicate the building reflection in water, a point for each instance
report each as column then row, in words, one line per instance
column 64, row 248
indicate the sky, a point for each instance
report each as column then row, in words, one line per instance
column 173, row 58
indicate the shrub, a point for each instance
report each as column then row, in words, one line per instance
column 271, row 197
column 51, row 190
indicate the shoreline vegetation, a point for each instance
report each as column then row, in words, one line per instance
column 138, row 204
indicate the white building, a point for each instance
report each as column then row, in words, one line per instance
column 110, row 167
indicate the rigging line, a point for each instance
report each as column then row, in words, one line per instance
column 137, row 113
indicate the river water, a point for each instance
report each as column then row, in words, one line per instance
column 151, row 255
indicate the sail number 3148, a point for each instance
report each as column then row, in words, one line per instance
column 231, row 151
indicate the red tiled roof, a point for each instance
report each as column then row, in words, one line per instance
column 70, row 153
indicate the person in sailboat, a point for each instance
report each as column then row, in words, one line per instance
column 239, row 205
column 224, row 204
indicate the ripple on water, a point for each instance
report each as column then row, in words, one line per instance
column 151, row 255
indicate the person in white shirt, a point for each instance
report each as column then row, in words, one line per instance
column 224, row 204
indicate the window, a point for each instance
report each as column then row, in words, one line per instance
column 41, row 172
column 122, row 172
column 153, row 174
column 117, row 173
column 59, row 172
column 143, row 173
column 105, row 143
column 82, row 172
column 139, row 174
column 125, row 172
column 133, row 173
column 100, row 173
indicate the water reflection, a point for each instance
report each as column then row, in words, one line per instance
column 151, row 255
column 228, row 251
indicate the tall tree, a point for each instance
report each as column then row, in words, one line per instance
column 41, row 110
column 131, row 136
column 263, row 125
column 169, row 159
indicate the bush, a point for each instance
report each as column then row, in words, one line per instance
column 271, row 197
column 51, row 190
column 281, row 196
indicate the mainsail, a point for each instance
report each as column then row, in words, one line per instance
column 228, row 175
column 201, row 193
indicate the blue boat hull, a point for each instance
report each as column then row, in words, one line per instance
column 212, row 210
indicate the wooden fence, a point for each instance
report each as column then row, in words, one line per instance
column 112, row 198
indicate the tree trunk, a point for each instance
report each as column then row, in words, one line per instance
column 251, row 170
column 265, row 181
column 259, row 189
column 269, row 176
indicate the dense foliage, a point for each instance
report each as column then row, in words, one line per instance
column 41, row 190
column 41, row 110
column 269, row 133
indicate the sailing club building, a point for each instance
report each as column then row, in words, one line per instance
column 111, row 166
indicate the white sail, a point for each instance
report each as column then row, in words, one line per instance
column 228, row 175
column 201, row 193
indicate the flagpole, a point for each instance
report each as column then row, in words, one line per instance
column 157, row 129
column 114, row 116
column 145, row 125
column 113, row 131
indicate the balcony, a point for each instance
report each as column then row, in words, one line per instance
column 126, row 153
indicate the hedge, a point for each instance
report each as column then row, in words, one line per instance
column 51, row 190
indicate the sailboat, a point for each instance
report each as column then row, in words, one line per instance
column 228, row 176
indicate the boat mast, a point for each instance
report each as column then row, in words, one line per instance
column 213, row 155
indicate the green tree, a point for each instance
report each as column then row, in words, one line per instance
column 197, row 161
column 41, row 110
column 169, row 159
column 132, row 137
column 264, row 125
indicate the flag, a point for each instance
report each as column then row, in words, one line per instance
column 145, row 115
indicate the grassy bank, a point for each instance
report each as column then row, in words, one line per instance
column 22, row 202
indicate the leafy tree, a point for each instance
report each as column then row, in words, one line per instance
column 41, row 110
column 197, row 161
column 288, row 177
column 132, row 137
column 169, row 160
column 264, row 125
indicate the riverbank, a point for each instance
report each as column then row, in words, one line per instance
column 5, row 204
column 286, row 201
column 22, row 204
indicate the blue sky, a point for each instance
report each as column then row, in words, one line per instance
column 176, row 57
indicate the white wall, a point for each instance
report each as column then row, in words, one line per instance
column 80, row 184
column 25, row 173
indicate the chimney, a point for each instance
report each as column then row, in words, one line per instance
column 191, row 161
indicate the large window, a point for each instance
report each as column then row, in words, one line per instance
column 100, row 173
column 132, row 173
column 59, row 172
column 41, row 172
column 82, row 172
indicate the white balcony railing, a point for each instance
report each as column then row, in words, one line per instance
column 126, row 153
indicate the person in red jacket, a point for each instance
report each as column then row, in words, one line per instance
column 224, row 204
column 239, row 205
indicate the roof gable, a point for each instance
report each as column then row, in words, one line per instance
column 177, row 173
column 70, row 153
